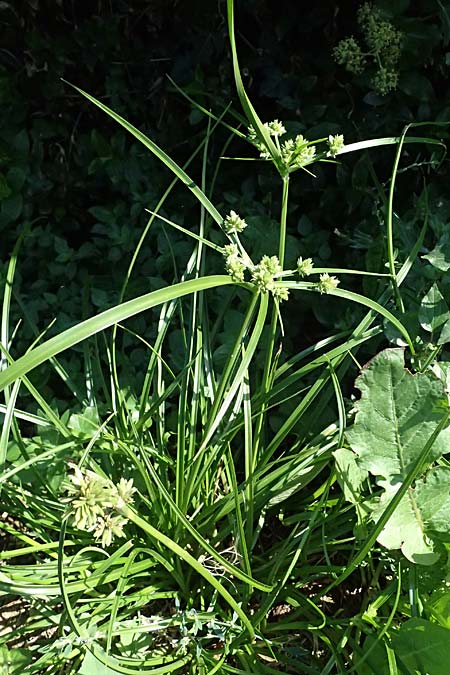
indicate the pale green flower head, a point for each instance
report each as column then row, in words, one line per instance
column 264, row 274
column 305, row 266
column 234, row 224
column 85, row 514
column 280, row 293
column 89, row 495
column 327, row 283
column 107, row 527
column 252, row 134
column 234, row 264
column 287, row 150
column 297, row 153
column 230, row 251
column 93, row 502
column 275, row 128
column 335, row 144
column 303, row 154
column 125, row 492
column 236, row 269
column 253, row 138
column 271, row 264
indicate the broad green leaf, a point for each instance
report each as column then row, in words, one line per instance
column 395, row 417
column 433, row 496
column 420, row 647
column 416, row 85
column 373, row 658
column 439, row 257
column 438, row 607
column 405, row 529
column 444, row 337
column 423, row 647
column 442, row 370
column 11, row 208
column 5, row 190
column 433, row 310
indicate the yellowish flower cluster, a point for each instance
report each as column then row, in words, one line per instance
column 95, row 503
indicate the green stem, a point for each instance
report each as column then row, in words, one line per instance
column 231, row 364
column 389, row 224
column 269, row 366
column 283, row 219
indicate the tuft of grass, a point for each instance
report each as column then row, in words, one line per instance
column 196, row 525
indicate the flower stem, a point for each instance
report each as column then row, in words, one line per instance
column 270, row 363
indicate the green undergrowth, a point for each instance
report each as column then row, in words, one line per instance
column 240, row 507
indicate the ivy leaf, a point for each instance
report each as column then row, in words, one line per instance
column 395, row 417
column 14, row 661
column 433, row 310
column 85, row 424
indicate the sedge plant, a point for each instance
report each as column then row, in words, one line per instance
column 177, row 528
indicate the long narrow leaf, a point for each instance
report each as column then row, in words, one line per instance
column 168, row 161
column 360, row 299
column 249, row 110
column 95, row 324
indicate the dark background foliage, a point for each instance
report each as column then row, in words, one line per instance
column 81, row 185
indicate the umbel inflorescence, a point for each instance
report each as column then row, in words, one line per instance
column 379, row 50
column 266, row 274
column 295, row 153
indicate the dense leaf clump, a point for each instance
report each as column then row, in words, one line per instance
column 224, row 361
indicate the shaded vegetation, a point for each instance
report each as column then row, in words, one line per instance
column 192, row 480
